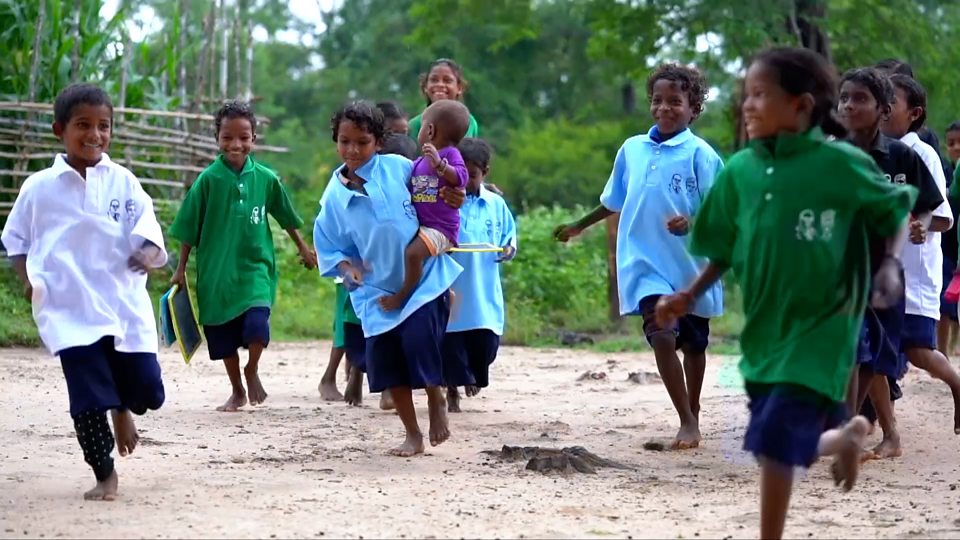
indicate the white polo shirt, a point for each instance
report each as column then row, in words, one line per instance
column 923, row 264
column 78, row 235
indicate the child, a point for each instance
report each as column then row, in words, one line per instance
column 365, row 221
column 444, row 80
column 923, row 263
column 658, row 182
column 92, row 311
column 444, row 126
column 473, row 333
column 866, row 96
column 342, row 315
column 947, row 327
column 224, row 215
column 394, row 117
column 790, row 214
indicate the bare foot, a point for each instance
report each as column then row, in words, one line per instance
column 328, row 391
column 257, row 394
column 688, row 437
column 471, row 390
column 104, row 491
column 391, row 302
column 847, row 463
column 412, row 445
column 386, row 401
column 956, row 412
column 439, row 426
column 125, row 431
column 867, row 455
column 236, row 400
column 353, row 394
column 453, row 399
column 889, row 447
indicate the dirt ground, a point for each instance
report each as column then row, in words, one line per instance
column 298, row 467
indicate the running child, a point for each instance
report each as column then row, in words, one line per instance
column 473, row 334
column 443, row 127
column 947, row 327
column 790, row 215
column 224, row 215
column 81, row 237
column 658, row 183
column 443, row 80
column 366, row 219
column 866, row 96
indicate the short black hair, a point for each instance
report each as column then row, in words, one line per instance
column 234, row 109
column 451, row 116
column 874, row 80
column 954, row 126
column 803, row 71
column 78, row 94
column 916, row 97
column 691, row 81
column 892, row 66
column 391, row 111
column 362, row 113
column 477, row 151
column 400, row 144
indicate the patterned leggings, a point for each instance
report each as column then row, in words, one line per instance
column 96, row 440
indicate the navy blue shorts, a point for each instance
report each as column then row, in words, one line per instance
column 948, row 309
column 919, row 332
column 252, row 326
column 355, row 346
column 409, row 355
column 692, row 332
column 786, row 422
column 467, row 357
column 99, row 378
column 880, row 340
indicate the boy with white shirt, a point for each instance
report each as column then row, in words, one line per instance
column 82, row 235
column 923, row 263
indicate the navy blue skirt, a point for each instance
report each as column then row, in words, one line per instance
column 467, row 357
column 355, row 346
column 409, row 355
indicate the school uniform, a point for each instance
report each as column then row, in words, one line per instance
column 91, row 310
column 923, row 264
column 347, row 332
column 371, row 228
column 652, row 181
column 473, row 333
column 791, row 216
column 224, row 218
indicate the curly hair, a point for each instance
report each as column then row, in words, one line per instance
column 78, row 94
column 234, row 109
column 873, row 80
column 690, row 80
column 364, row 114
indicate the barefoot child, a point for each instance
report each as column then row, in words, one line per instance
column 224, row 215
column 476, row 324
column 365, row 222
column 790, row 215
column 81, row 236
column 443, row 80
column 444, row 126
column 658, row 183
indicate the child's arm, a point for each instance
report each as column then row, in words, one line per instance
column 307, row 256
column 888, row 281
column 451, row 168
column 180, row 275
column 187, row 226
column 565, row 232
column 508, row 235
column 17, row 237
column 19, row 263
column 146, row 238
column 611, row 201
column 673, row 306
column 281, row 208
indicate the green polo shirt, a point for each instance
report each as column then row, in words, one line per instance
column 224, row 218
column 472, row 131
column 791, row 217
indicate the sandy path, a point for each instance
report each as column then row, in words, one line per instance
column 297, row 467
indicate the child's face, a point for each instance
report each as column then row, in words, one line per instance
column 858, row 108
column 442, row 83
column 355, row 145
column 901, row 115
column 86, row 136
column 670, row 107
column 953, row 145
column 399, row 125
column 236, row 139
column 767, row 108
column 476, row 176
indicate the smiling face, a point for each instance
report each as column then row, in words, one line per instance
column 670, row 107
column 858, row 108
column 236, row 139
column 86, row 136
column 355, row 145
column 442, row 83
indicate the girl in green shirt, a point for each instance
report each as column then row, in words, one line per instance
column 444, row 80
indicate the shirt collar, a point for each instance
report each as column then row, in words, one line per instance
column 881, row 144
column 910, row 139
column 61, row 166
column 676, row 140
column 247, row 165
column 367, row 171
column 484, row 195
column 786, row 144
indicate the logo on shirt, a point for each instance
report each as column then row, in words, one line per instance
column 258, row 214
column 692, row 185
column 489, row 225
column 809, row 230
column 130, row 207
column 114, row 212
column 409, row 210
column 425, row 189
column 675, row 182
column 898, row 179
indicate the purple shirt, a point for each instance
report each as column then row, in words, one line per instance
column 425, row 187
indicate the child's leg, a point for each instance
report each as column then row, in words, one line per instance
column 223, row 343
column 328, row 382
column 776, row 485
column 937, row 365
column 456, row 369
column 439, row 426
column 413, row 440
column 453, row 399
column 251, row 372
column 483, row 346
column 238, row 394
column 846, row 444
column 417, row 252
column 96, row 441
column 256, row 337
column 140, row 385
column 386, row 401
column 944, row 331
column 353, row 394
column 355, row 347
column 889, row 447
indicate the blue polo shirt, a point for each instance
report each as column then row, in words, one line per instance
column 484, row 218
column 372, row 231
column 652, row 182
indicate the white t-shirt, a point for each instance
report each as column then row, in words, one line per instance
column 923, row 264
column 78, row 236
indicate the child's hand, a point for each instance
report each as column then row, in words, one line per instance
column 887, row 284
column 678, row 225
column 140, row 260
column 454, row 197
column 671, row 307
column 352, row 276
column 179, row 277
column 308, row 258
column 507, row 254
column 28, row 292
column 433, row 156
column 564, row 233
column 918, row 233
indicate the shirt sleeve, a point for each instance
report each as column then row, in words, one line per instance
column 928, row 196
column 508, row 235
column 331, row 245
column 707, row 166
column 17, row 234
column 189, row 221
column 147, row 228
column 280, row 206
column 615, row 192
column 882, row 205
column 455, row 160
column 714, row 233
column 473, row 130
